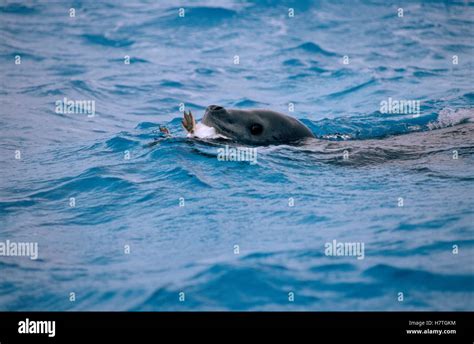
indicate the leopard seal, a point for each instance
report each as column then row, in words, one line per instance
column 253, row 127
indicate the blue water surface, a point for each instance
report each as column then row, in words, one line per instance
column 223, row 233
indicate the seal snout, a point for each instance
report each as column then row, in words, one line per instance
column 214, row 116
column 215, row 112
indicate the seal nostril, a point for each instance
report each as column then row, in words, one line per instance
column 215, row 108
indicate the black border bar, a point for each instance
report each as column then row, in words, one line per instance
column 388, row 325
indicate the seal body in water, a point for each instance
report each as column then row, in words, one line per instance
column 265, row 127
column 253, row 127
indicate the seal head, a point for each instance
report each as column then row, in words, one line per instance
column 255, row 127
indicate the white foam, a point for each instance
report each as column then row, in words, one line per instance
column 449, row 117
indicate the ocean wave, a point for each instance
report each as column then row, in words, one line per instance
column 313, row 48
column 19, row 9
column 403, row 277
column 107, row 41
column 352, row 89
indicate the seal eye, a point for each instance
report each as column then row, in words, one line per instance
column 256, row 129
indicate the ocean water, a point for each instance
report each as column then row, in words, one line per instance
column 129, row 219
